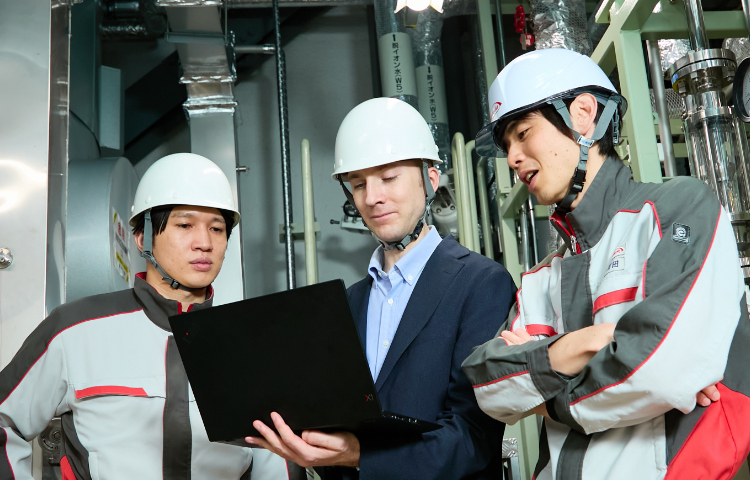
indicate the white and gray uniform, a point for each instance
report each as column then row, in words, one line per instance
column 661, row 262
column 108, row 366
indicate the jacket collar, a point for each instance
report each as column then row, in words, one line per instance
column 583, row 227
column 157, row 308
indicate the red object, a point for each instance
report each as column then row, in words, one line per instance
column 527, row 39
column 66, row 469
column 614, row 298
column 536, row 329
column 110, row 390
column 519, row 19
column 718, row 445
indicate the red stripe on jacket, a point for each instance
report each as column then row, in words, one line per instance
column 614, row 298
column 111, row 390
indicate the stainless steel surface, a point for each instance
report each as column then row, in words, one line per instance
column 34, row 46
column 660, row 100
column 746, row 11
column 715, row 138
column 101, row 253
column 696, row 27
column 291, row 279
column 6, row 258
column 207, row 57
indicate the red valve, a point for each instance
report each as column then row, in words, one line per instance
column 519, row 19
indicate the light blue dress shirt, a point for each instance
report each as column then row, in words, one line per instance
column 389, row 295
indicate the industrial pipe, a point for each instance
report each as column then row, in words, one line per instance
column 696, row 27
column 532, row 222
column 484, row 207
column 462, row 193
column 267, row 49
column 746, row 11
column 291, row 281
column 660, row 101
column 471, row 202
column 311, row 254
column 395, row 55
column 457, row 190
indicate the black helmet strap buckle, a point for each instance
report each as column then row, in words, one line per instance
column 609, row 113
column 429, row 197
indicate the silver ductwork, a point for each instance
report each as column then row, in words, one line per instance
column 561, row 24
column 715, row 137
column 207, row 58
column 34, row 66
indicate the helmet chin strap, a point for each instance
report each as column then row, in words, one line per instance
column 147, row 253
column 579, row 176
column 429, row 196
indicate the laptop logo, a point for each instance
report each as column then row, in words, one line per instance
column 369, row 397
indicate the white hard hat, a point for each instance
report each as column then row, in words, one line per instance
column 381, row 131
column 535, row 79
column 184, row 179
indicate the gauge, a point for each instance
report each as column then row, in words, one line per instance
column 741, row 90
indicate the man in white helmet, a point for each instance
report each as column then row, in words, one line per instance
column 424, row 303
column 618, row 338
column 108, row 366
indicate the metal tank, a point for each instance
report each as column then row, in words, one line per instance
column 715, row 137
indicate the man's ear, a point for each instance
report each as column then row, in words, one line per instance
column 583, row 114
column 434, row 175
column 139, row 241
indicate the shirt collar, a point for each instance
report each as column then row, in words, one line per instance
column 410, row 265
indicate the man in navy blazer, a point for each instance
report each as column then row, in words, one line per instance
column 425, row 303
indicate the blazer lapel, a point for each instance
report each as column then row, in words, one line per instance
column 434, row 281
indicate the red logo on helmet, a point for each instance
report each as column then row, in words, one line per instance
column 495, row 109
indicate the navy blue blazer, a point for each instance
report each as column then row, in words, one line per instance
column 460, row 301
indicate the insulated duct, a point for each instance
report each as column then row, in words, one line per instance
column 561, row 24
column 132, row 19
column 739, row 46
column 557, row 24
column 428, row 59
column 207, row 59
column 396, row 58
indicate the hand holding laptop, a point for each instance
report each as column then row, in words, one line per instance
column 312, row 449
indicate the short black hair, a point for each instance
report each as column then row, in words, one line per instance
column 160, row 216
column 605, row 144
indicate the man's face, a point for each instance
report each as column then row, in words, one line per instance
column 391, row 198
column 192, row 246
column 544, row 158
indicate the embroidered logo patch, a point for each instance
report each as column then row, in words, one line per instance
column 680, row 233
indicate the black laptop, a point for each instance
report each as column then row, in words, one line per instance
column 295, row 352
